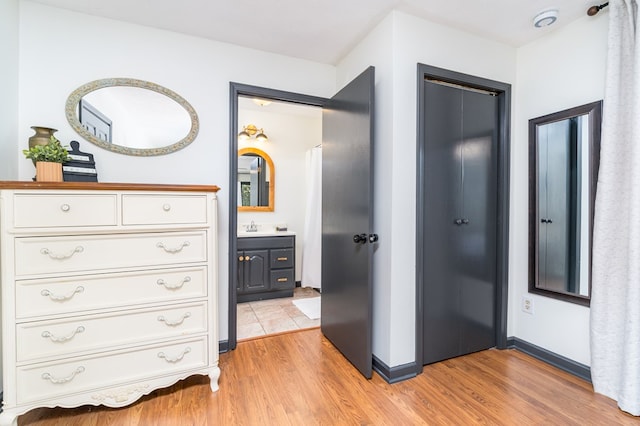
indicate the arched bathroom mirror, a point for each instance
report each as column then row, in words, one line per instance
column 564, row 155
column 256, row 181
column 132, row 117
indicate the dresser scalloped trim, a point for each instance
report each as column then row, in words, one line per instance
column 122, row 394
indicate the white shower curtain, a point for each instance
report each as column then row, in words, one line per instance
column 312, row 247
column 615, row 298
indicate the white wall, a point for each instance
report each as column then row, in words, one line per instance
column 406, row 41
column 9, row 89
column 564, row 69
column 61, row 50
column 377, row 50
column 290, row 137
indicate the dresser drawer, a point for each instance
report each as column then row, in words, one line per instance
column 281, row 258
column 47, row 255
column 50, row 339
column 163, row 209
column 83, row 293
column 39, row 381
column 282, row 279
column 66, row 210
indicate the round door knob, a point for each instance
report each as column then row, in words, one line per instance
column 166, row 207
column 247, row 258
column 241, row 258
column 65, row 207
column 373, row 238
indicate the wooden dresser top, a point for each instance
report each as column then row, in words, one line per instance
column 106, row 186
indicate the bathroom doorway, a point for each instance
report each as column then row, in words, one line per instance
column 278, row 216
column 348, row 237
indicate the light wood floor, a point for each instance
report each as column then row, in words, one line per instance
column 299, row 378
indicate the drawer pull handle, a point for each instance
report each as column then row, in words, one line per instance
column 173, row 250
column 176, row 359
column 176, row 322
column 283, row 259
column 65, row 207
column 61, row 298
column 283, row 280
column 166, row 207
column 62, row 339
column 49, row 377
column 174, row 287
column 54, row 256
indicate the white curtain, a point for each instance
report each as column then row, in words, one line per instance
column 312, row 246
column 615, row 299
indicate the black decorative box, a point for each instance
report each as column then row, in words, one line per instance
column 81, row 167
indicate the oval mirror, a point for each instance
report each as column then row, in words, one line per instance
column 256, row 181
column 132, row 117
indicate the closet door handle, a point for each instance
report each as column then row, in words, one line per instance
column 373, row 238
column 465, row 221
column 458, row 221
column 360, row 238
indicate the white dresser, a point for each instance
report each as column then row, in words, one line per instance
column 109, row 291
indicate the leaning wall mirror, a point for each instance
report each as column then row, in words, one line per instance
column 132, row 117
column 256, row 181
column 564, row 154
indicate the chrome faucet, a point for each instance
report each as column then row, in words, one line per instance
column 252, row 227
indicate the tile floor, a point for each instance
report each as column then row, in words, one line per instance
column 274, row 316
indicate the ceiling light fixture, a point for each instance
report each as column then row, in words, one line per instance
column 545, row 18
column 249, row 131
column 261, row 102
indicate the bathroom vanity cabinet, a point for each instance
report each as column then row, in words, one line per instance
column 109, row 291
column 266, row 267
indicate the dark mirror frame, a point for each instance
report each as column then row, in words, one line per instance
column 594, row 110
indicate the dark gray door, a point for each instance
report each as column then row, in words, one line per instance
column 347, row 136
column 554, row 205
column 460, row 232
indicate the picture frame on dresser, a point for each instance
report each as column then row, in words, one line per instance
column 109, row 291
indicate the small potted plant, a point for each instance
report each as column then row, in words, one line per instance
column 48, row 160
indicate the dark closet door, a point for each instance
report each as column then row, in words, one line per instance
column 554, row 205
column 461, row 128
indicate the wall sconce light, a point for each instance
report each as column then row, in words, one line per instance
column 249, row 131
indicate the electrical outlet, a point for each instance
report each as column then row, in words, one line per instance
column 527, row 305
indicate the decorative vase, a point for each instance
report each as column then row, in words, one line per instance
column 48, row 172
column 42, row 135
